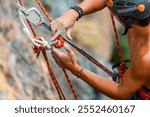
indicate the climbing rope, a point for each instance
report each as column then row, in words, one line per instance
column 59, row 38
column 38, row 49
column 75, row 47
column 122, row 66
column 85, row 54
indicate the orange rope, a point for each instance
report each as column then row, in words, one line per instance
column 58, row 89
column 53, row 76
column 70, row 84
column 44, row 10
column 65, row 73
column 122, row 67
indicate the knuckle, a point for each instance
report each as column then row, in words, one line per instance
column 65, row 24
column 71, row 53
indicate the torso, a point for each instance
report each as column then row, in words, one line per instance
column 139, row 44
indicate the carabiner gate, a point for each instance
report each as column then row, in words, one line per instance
column 38, row 41
column 26, row 13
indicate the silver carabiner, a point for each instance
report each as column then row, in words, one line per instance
column 36, row 41
column 27, row 13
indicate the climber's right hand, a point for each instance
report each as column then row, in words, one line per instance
column 64, row 23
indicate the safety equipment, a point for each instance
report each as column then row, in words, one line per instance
column 138, row 9
column 41, row 45
column 144, row 93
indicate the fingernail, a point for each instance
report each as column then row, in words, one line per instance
column 53, row 38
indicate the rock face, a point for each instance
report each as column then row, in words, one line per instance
column 20, row 73
column 23, row 76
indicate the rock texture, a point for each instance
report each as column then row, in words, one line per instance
column 22, row 75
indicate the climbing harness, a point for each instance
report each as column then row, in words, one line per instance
column 40, row 45
column 144, row 93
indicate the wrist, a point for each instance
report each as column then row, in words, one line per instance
column 80, row 72
column 74, row 14
column 78, row 10
column 76, row 70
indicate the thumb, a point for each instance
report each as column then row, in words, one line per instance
column 69, row 30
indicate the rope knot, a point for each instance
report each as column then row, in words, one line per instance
column 122, row 70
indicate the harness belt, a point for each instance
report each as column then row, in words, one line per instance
column 144, row 93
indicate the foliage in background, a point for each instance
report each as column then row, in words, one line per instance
column 124, row 48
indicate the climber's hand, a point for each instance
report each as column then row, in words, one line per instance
column 66, row 60
column 64, row 23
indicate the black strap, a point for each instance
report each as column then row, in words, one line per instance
column 115, row 75
column 46, row 26
column 79, row 10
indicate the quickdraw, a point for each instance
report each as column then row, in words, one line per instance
column 37, row 41
column 42, row 49
column 41, row 44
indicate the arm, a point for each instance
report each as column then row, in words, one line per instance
column 132, row 81
column 134, row 78
column 129, row 85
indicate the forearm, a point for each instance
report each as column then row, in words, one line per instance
column 104, row 85
column 91, row 6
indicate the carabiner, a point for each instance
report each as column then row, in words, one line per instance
column 26, row 13
column 41, row 19
column 38, row 41
column 61, row 42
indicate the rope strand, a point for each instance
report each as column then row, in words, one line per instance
column 70, row 84
column 53, row 76
column 58, row 89
column 122, row 67
column 64, row 71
